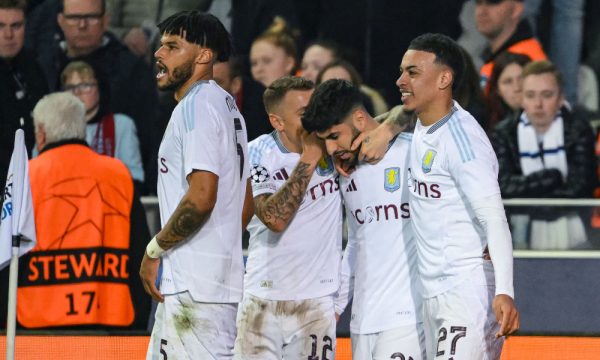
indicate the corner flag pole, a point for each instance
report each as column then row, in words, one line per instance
column 11, row 321
column 17, row 229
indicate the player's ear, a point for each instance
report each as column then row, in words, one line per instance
column 359, row 119
column 445, row 79
column 205, row 56
column 276, row 121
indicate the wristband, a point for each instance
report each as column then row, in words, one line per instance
column 154, row 250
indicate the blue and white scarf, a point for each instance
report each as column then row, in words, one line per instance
column 552, row 148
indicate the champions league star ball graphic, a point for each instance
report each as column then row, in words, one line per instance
column 259, row 174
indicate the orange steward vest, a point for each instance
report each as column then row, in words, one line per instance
column 78, row 273
column 530, row 47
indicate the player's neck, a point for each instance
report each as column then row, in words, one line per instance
column 289, row 144
column 370, row 124
column 435, row 112
column 198, row 75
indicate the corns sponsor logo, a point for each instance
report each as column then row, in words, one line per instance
column 376, row 213
column 422, row 188
column 323, row 188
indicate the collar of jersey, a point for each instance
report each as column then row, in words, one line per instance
column 280, row 145
column 194, row 85
column 442, row 121
column 392, row 142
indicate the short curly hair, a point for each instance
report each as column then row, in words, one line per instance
column 331, row 102
column 447, row 52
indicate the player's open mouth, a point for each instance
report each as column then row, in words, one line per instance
column 162, row 70
column 343, row 155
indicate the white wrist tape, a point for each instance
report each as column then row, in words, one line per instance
column 154, row 250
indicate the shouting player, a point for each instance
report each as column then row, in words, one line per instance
column 201, row 190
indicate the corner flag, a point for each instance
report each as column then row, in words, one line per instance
column 16, row 224
column 17, row 209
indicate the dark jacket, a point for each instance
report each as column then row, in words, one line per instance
column 131, row 86
column 547, row 183
column 22, row 84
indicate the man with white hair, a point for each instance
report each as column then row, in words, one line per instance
column 90, row 228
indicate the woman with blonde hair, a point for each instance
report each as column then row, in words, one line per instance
column 273, row 54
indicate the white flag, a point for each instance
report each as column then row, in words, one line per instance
column 17, row 208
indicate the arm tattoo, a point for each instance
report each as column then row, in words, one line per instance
column 184, row 222
column 281, row 206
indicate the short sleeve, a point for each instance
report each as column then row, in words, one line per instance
column 201, row 136
column 260, row 170
column 472, row 162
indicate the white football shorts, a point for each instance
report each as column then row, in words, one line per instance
column 186, row 329
column 461, row 324
column 272, row 329
column 401, row 343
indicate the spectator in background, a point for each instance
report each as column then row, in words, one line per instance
column 273, row 54
column 90, row 229
column 341, row 69
column 107, row 133
column 505, row 86
column 323, row 52
column 547, row 151
column 130, row 80
column 566, row 38
column 469, row 93
column 499, row 21
column 22, row 82
column 135, row 21
column 250, row 19
column 316, row 56
column 247, row 94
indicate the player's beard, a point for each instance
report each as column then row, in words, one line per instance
column 351, row 162
column 179, row 76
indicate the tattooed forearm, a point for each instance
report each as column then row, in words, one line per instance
column 277, row 210
column 186, row 219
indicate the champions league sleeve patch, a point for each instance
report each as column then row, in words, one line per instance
column 259, row 174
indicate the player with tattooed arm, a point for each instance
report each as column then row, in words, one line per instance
column 202, row 186
column 295, row 237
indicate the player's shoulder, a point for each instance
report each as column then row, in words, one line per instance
column 466, row 135
column 261, row 146
column 403, row 139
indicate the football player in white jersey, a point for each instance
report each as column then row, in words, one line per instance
column 202, row 186
column 292, row 271
column 457, row 211
column 379, row 269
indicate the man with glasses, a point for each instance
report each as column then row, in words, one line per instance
column 131, row 89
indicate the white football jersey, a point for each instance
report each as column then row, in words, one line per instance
column 206, row 132
column 452, row 164
column 303, row 261
column 381, row 254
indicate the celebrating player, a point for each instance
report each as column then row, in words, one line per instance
column 202, row 182
column 294, row 255
column 457, row 211
column 379, row 265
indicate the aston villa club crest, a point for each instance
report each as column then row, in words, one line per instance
column 391, row 180
column 325, row 166
column 427, row 162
